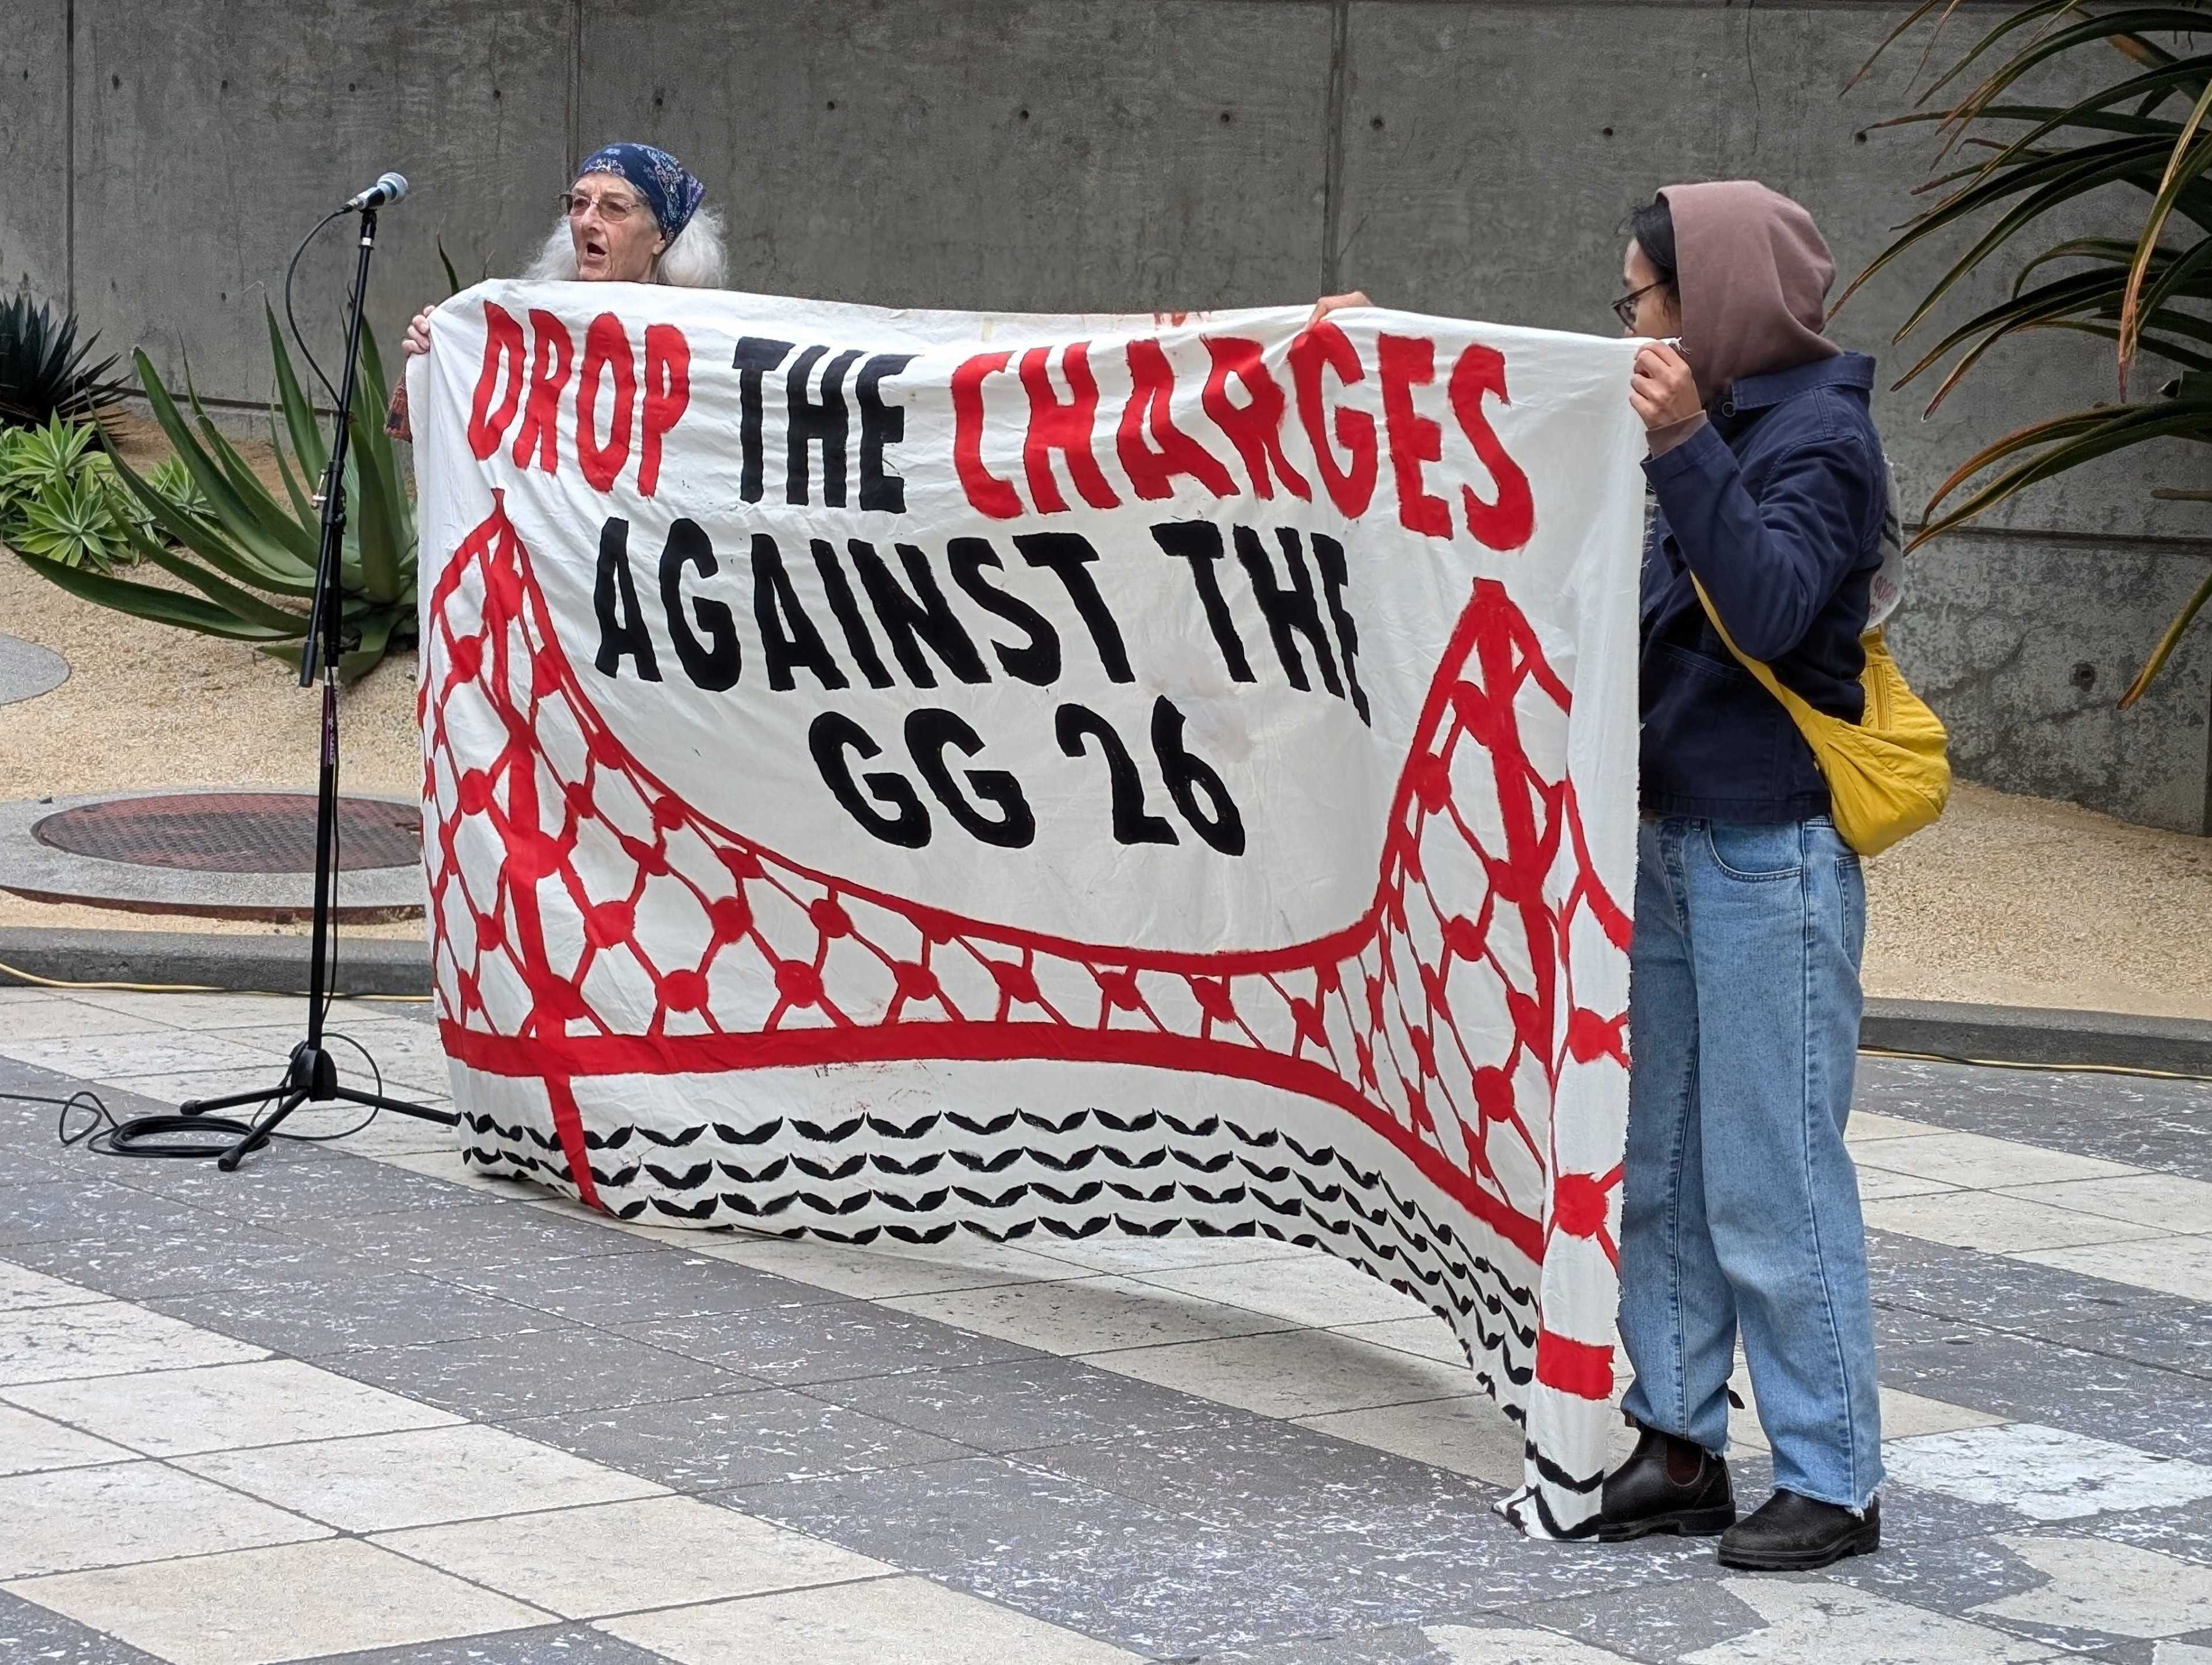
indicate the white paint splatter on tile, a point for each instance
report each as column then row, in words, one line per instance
column 2046, row 1473
column 1463, row 1644
column 1815, row 1619
column 2099, row 1586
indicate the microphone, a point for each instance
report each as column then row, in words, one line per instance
column 388, row 189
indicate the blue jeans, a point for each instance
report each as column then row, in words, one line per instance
column 1739, row 1206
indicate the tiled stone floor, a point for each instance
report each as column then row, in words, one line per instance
column 356, row 1404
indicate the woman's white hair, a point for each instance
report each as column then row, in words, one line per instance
column 693, row 259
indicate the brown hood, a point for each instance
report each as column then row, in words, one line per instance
column 1755, row 274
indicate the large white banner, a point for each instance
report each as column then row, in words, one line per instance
column 896, row 773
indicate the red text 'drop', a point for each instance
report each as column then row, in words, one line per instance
column 619, row 404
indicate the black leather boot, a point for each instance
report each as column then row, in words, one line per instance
column 1667, row 1485
column 1790, row 1534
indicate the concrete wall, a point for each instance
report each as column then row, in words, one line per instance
column 211, row 137
column 1474, row 159
column 34, row 159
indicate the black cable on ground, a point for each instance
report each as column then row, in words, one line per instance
column 158, row 1135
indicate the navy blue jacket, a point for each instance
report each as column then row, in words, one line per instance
column 1777, row 505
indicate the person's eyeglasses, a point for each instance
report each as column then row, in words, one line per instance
column 613, row 209
column 1625, row 308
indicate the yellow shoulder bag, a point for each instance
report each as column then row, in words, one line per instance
column 1888, row 775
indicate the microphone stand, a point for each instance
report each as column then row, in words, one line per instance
column 313, row 1075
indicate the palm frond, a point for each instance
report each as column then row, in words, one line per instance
column 2023, row 167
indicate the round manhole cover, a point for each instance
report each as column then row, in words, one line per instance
column 234, row 832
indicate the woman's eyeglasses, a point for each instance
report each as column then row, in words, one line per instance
column 1625, row 308
column 613, row 209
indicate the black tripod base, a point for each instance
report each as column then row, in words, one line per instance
column 310, row 1079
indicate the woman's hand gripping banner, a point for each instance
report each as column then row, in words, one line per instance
column 891, row 774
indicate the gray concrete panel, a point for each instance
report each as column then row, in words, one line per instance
column 33, row 149
column 1491, row 153
column 1062, row 155
column 210, row 137
column 2023, row 645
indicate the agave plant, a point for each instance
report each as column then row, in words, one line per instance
column 2017, row 164
column 71, row 521
column 45, row 370
column 249, row 558
column 36, row 458
column 59, row 499
column 173, row 480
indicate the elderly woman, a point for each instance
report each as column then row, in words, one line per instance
column 632, row 217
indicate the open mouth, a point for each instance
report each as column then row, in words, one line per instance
column 594, row 250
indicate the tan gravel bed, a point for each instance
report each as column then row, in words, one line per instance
column 2024, row 901
column 2014, row 901
column 149, row 706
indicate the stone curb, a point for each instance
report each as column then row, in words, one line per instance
column 1948, row 1029
column 262, row 964
column 2032, row 1035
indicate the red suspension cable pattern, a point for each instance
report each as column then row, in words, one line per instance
column 1435, row 1018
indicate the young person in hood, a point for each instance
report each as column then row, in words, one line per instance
column 1741, row 1207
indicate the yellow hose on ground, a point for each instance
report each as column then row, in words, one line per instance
column 191, row 989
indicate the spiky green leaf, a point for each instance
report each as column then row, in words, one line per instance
column 188, row 612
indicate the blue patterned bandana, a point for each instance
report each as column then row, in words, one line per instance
column 665, row 184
